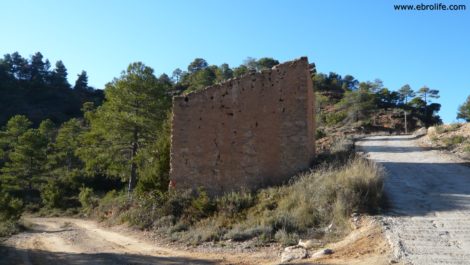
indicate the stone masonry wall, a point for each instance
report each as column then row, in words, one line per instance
column 245, row 133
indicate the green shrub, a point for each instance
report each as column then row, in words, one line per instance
column 176, row 202
column 201, row 205
column 10, row 212
column 240, row 234
column 234, row 203
column 453, row 140
column 10, row 208
column 88, row 199
column 447, row 128
column 467, row 148
column 319, row 133
column 52, row 195
column 112, row 207
column 286, row 238
column 334, row 118
column 206, row 230
column 454, row 127
column 8, row 228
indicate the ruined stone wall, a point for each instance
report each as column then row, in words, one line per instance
column 245, row 133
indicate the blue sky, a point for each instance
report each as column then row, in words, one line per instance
column 366, row 39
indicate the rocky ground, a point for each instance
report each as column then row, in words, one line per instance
column 454, row 138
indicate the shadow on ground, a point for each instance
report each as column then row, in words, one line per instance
column 10, row 256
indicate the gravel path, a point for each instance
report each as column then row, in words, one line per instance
column 429, row 193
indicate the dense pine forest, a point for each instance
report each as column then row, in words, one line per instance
column 65, row 147
column 33, row 88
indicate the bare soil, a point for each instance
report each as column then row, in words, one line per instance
column 64, row 241
column 75, row 241
column 366, row 245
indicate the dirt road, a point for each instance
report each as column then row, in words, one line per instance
column 67, row 241
column 429, row 193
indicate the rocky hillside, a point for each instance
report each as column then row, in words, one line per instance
column 452, row 137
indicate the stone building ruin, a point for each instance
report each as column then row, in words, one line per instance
column 245, row 133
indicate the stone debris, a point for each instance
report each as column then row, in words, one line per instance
column 293, row 253
column 420, row 132
column 322, row 253
column 308, row 244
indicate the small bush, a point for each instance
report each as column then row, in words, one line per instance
column 88, row 199
column 447, row 128
column 207, row 230
column 8, row 228
column 52, row 195
column 453, row 140
column 10, row 212
column 454, row 127
column 319, row 133
column 234, row 203
column 467, row 148
column 179, row 227
column 112, row 205
column 10, row 208
column 201, row 206
column 286, row 238
column 440, row 129
column 239, row 234
column 334, row 118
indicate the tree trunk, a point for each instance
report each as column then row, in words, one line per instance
column 406, row 122
column 406, row 125
column 425, row 109
column 133, row 175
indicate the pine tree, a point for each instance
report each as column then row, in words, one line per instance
column 82, row 81
column 134, row 109
column 64, row 168
column 39, row 69
column 23, row 171
column 464, row 110
column 15, row 127
column 64, row 161
column 405, row 93
column 59, row 76
column 425, row 93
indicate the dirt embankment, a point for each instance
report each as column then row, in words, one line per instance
column 450, row 137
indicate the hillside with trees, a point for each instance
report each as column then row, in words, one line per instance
column 347, row 106
column 64, row 149
column 32, row 87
